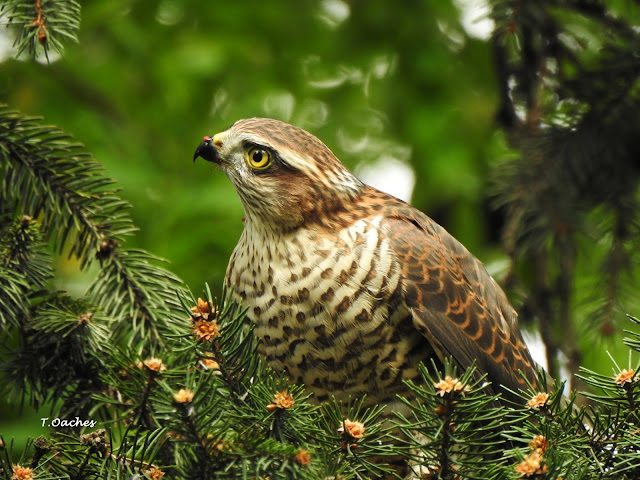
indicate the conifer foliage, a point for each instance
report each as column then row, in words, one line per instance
column 570, row 107
column 42, row 24
column 144, row 381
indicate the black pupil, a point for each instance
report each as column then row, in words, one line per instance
column 258, row 156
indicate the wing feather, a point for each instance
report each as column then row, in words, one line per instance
column 455, row 303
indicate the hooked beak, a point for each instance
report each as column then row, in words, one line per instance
column 207, row 150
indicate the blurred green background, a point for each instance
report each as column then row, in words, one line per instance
column 403, row 92
column 375, row 81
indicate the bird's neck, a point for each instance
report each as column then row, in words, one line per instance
column 320, row 209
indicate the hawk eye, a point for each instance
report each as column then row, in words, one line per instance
column 258, row 158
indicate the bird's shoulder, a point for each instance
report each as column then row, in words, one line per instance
column 409, row 228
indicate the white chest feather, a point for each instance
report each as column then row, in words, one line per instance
column 326, row 308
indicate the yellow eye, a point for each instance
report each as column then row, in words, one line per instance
column 258, row 158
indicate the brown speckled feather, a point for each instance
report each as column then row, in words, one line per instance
column 349, row 288
column 455, row 303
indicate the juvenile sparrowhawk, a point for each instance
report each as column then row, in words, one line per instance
column 350, row 288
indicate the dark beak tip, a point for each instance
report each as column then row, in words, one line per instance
column 206, row 150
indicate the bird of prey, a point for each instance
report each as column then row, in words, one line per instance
column 350, row 288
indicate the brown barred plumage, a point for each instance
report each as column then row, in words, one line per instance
column 350, row 288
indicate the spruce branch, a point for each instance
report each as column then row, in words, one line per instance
column 358, row 441
column 198, row 427
column 99, row 454
column 614, row 420
column 226, row 338
column 59, row 352
column 14, row 292
column 46, row 175
column 44, row 172
column 454, row 423
column 225, row 412
column 576, row 175
column 41, row 24
column 138, row 294
column 22, row 251
column 25, row 268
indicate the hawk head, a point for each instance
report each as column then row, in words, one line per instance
column 284, row 176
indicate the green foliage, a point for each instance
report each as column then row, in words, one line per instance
column 42, row 24
column 205, row 408
column 148, row 81
column 81, row 456
column 350, row 449
column 60, row 336
column 139, row 382
column 456, row 427
column 569, row 107
column 46, row 176
column 45, row 173
column 25, row 266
